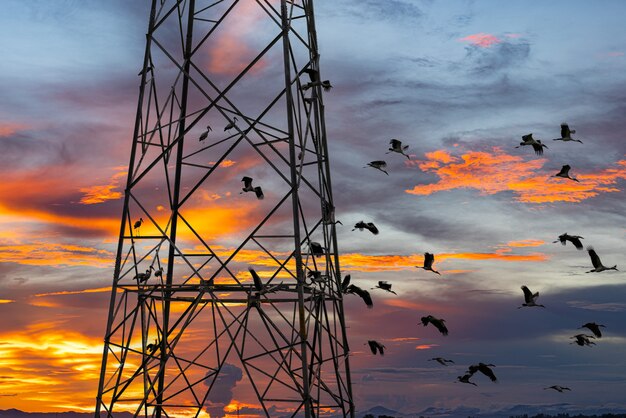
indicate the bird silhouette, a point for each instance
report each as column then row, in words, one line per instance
column 361, row 225
column 152, row 347
column 345, row 283
column 594, row 328
column 564, row 173
column 138, row 223
column 384, row 286
column 597, row 264
column 378, row 165
column 535, row 143
column 231, row 124
column 145, row 70
column 429, row 259
column 566, row 134
column 558, row 388
column 375, row 347
column 484, row 369
column 396, row 146
column 363, row 294
column 529, row 298
column 466, row 379
column 582, row 340
column 316, row 249
column 248, row 187
column 143, row 277
column 323, row 84
column 437, row 323
column 205, row 134
column 441, row 360
column 574, row 239
column 159, row 272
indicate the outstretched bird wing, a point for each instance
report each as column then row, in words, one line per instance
column 576, row 242
column 595, row 260
column 363, row 294
column 439, row 324
column 372, row 228
column 564, row 171
column 247, row 182
column 345, row 283
column 565, row 132
column 372, row 345
column 538, row 147
column 259, row 192
column 484, row 369
column 258, row 284
column 528, row 295
column 429, row 259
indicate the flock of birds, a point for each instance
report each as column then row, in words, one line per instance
column 530, row 298
column 317, row 250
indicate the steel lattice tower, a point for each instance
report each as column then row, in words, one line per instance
column 188, row 330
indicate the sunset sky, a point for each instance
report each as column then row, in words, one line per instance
column 459, row 82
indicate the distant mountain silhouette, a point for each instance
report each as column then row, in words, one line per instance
column 16, row 413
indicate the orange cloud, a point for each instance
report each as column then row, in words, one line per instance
column 426, row 346
column 404, row 339
column 2, row 301
column 55, row 254
column 49, row 367
column 8, row 129
column 526, row 243
column 483, row 40
column 230, row 52
column 495, row 172
column 99, row 194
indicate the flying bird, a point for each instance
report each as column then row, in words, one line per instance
column 595, row 328
column 574, row 239
column 582, row 340
column 535, row 143
column 484, row 369
column 378, row 165
column 248, row 187
column 564, row 173
column 369, row 226
column 205, row 134
column 231, row 125
column 429, row 259
column 375, row 346
column 441, row 360
column 566, row 134
column 363, row 294
column 384, row 286
column 466, row 379
column 529, row 298
column 558, row 388
column 597, row 264
column 437, row 323
column 396, row 146
column 316, row 249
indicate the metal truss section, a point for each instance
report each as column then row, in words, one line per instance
column 229, row 89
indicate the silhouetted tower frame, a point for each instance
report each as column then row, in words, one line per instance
column 184, row 318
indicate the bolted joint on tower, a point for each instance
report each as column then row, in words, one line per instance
column 226, row 293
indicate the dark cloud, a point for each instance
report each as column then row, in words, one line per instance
column 376, row 9
column 222, row 388
column 501, row 56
